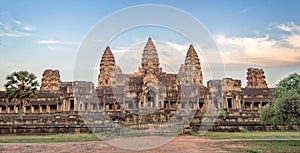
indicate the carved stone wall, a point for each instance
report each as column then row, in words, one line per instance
column 256, row 78
column 51, row 80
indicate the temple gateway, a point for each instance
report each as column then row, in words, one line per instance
column 147, row 96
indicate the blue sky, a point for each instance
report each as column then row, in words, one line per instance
column 36, row 35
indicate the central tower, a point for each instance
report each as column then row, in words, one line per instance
column 150, row 60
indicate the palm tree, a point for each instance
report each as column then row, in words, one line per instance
column 20, row 88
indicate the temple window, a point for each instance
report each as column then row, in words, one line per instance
column 86, row 106
column 264, row 103
column 256, row 105
column 44, row 107
column 201, row 104
column 53, row 108
column 229, row 102
column 247, row 105
column 28, row 109
column 71, row 104
column 110, row 106
column 35, row 108
column 11, row 108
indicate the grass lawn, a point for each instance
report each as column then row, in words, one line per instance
column 92, row 137
column 257, row 146
column 273, row 146
column 252, row 135
column 47, row 138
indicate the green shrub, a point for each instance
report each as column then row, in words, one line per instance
column 223, row 113
column 244, row 130
column 252, row 150
column 193, row 133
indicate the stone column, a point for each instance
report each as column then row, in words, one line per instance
column 47, row 109
column 63, row 106
column 260, row 105
column 225, row 104
column 40, row 109
column 67, row 105
column 155, row 103
column 24, row 109
column 145, row 100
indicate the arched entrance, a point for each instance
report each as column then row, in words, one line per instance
column 151, row 97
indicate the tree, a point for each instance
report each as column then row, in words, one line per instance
column 285, row 108
column 20, row 88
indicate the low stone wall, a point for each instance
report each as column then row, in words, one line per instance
column 42, row 129
column 54, row 123
column 71, row 122
column 239, row 121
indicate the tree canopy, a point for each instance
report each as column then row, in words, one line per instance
column 285, row 108
column 20, row 87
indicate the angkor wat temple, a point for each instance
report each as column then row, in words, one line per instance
column 148, row 95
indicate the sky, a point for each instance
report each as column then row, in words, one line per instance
column 37, row 35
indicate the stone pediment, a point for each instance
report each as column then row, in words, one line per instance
column 150, row 77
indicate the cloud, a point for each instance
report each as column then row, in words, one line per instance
column 56, row 44
column 28, row 28
column 53, row 41
column 14, row 28
column 49, row 41
column 13, row 34
column 294, row 41
column 262, row 51
column 291, row 27
column 16, row 21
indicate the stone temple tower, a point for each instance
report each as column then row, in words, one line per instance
column 51, row 80
column 192, row 64
column 256, row 78
column 150, row 60
column 107, row 68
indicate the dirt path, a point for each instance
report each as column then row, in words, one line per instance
column 180, row 144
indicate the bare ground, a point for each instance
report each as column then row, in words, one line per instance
column 182, row 144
